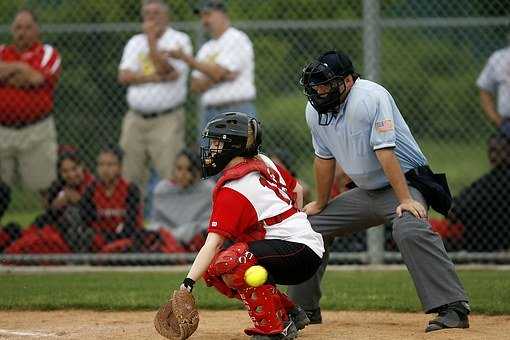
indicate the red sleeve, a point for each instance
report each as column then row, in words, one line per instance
column 232, row 214
column 50, row 63
column 290, row 180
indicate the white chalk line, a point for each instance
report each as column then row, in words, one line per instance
column 25, row 333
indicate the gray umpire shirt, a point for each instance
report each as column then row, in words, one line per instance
column 368, row 120
column 495, row 78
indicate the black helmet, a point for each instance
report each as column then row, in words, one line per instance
column 331, row 67
column 230, row 128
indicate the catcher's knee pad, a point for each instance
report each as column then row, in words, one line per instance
column 265, row 309
column 232, row 263
column 217, row 282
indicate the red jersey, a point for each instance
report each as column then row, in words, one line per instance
column 88, row 178
column 258, row 206
column 29, row 104
column 122, row 209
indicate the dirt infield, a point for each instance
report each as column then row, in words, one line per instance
column 219, row 325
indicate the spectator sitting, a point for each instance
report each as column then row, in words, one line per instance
column 182, row 206
column 67, row 190
column 111, row 206
column 58, row 229
column 483, row 207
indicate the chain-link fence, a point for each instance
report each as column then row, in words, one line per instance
column 427, row 54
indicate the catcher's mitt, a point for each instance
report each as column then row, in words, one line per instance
column 178, row 318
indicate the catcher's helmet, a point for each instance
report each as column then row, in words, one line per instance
column 329, row 68
column 231, row 130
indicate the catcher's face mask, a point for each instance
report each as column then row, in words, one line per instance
column 224, row 138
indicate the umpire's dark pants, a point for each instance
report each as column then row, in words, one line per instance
column 422, row 250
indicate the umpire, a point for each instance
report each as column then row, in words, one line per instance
column 356, row 122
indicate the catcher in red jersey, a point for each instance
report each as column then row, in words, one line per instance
column 254, row 206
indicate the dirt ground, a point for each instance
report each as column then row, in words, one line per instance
column 219, row 325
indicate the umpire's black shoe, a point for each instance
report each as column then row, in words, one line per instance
column 314, row 315
column 299, row 317
column 453, row 315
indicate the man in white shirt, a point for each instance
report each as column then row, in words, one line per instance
column 223, row 67
column 153, row 128
column 494, row 85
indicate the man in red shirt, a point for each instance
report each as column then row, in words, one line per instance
column 29, row 72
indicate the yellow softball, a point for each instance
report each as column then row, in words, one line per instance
column 255, row 276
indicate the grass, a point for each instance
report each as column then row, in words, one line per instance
column 489, row 291
column 25, row 206
column 24, row 218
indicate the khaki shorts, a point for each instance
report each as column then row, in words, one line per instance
column 154, row 140
column 32, row 151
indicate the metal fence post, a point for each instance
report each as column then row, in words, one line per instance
column 371, row 39
column 371, row 65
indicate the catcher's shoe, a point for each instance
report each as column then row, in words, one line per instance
column 453, row 315
column 289, row 332
column 299, row 317
column 314, row 315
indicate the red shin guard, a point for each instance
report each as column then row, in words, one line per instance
column 217, row 282
column 265, row 309
column 267, row 306
column 287, row 303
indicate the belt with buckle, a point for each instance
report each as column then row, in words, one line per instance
column 156, row 114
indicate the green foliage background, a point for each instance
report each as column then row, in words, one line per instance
column 431, row 72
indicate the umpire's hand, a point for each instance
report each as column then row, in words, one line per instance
column 313, row 208
column 414, row 207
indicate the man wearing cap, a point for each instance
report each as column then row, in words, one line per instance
column 153, row 128
column 357, row 123
column 224, row 66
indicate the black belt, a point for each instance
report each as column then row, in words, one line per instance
column 419, row 171
column 156, row 114
column 20, row 125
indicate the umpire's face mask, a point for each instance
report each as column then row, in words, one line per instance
column 324, row 90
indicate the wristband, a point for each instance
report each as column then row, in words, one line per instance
column 188, row 283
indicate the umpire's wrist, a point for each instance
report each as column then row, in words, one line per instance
column 188, row 283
